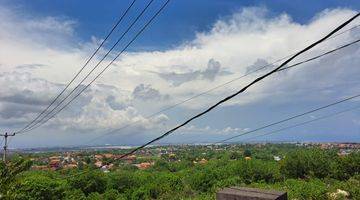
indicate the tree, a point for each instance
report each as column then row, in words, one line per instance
column 88, row 160
column 74, row 195
column 121, row 181
column 112, row 194
column 235, row 155
column 140, row 194
column 347, row 166
column 39, row 186
column 161, row 165
column 10, row 171
column 91, row 181
column 295, row 165
column 306, row 163
column 203, row 180
column 247, row 153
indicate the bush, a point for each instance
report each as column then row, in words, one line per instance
column 39, row 187
column 140, row 194
column 353, row 187
column 111, row 194
column 306, row 190
column 74, row 195
column 306, row 163
column 121, row 181
column 204, row 180
column 256, row 170
column 89, row 182
column 347, row 166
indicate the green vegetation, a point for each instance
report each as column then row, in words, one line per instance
column 305, row 173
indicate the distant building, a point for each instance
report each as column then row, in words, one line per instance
column 55, row 164
column 54, row 157
column 129, row 159
column 277, row 158
column 144, row 165
column 108, row 155
column 343, row 153
column 98, row 164
column 105, row 169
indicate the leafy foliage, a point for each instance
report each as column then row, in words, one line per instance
column 304, row 173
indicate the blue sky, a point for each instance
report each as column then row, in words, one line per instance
column 191, row 47
column 178, row 24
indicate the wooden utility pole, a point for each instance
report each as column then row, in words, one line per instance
column 6, row 135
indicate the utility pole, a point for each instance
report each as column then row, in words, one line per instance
column 6, row 135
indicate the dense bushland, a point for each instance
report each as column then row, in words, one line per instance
column 304, row 173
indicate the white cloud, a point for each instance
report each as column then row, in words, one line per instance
column 214, row 131
column 193, row 128
column 47, row 57
column 240, row 42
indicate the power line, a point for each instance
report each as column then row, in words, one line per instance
column 228, row 82
column 304, row 123
column 83, row 67
column 96, row 66
column 321, row 55
column 101, row 72
column 292, row 117
column 282, row 129
column 285, row 128
column 336, row 35
column 243, row 89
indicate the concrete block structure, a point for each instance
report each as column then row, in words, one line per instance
column 242, row 193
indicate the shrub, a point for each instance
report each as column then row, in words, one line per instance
column 89, row 182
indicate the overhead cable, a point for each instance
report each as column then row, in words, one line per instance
column 82, row 68
column 244, row 88
column 292, row 117
column 303, row 123
column 207, row 91
column 102, row 71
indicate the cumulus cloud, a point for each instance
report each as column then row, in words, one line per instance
column 47, row 57
column 102, row 106
column 259, row 64
column 215, row 131
column 24, row 29
column 248, row 40
column 210, row 73
column 23, row 95
column 231, row 130
column 194, row 128
column 146, row 92
column 107, row 108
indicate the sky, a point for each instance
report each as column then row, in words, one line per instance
column 191, row 47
